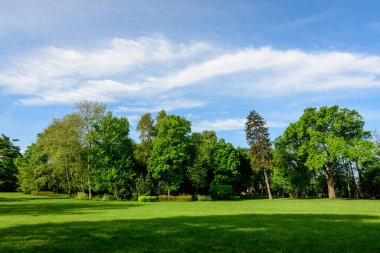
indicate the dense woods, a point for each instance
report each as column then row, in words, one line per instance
column 326, row 153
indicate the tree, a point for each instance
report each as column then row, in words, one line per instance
column 143, row 150
column 61, row 142
column 56, row 157
column 257, row 136
column 170, row 154
column 290, row 174
column 226, row 164
column 323, row 137
column 202, row 149
column 113, row 150
column 8, row 170
column 245, row 180
column 91, row 114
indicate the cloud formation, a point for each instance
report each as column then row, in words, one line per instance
column 148, row 69
column 229, row 125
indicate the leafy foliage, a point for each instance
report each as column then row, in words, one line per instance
column 170, row 156
column 8, row 170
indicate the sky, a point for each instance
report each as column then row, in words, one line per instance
column 209, row 61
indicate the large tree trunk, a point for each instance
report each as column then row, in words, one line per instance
column 330, row 182
column 268, row 185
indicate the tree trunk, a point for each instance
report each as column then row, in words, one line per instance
column 360, row 183
column 89, row 177
column 67, row 177
column 330, row 182
column 352, row 177
column 268, row 185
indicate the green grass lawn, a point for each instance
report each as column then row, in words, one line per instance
column 39, row 224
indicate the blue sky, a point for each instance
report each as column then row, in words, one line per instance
column 210, row 61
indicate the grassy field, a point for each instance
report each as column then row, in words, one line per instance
column 39, row 224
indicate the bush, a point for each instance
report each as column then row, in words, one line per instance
column 42, row 193
column 203, row 198
column 107, row 197
column 220, row 191
column 233, row 197
column 81, row 195
column 179, row 198
column 147, row 199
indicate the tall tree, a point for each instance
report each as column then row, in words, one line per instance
column 257, row 136
column 170, row 155
column 202, row 149
column 55, row 161
column 143, row 150
column 8, row 170
column 91, row 114
column 226, row 164
column 113, row 168
column 324, row 136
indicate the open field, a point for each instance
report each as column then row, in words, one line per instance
column 40, row 224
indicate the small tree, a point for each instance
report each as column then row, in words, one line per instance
column 257, row 136
column 8, row 170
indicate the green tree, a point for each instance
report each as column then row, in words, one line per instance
column 322, row 137
column 113, row 150
column 202, row 149
column 8, row 170
column 91, row 114
column 245, row 179
column 36, row 172
column 144, row 149
column 170, row 154
column 61, row 142
column 290, row 174
column 257, row 136
column 55, row 161
column 226, row 164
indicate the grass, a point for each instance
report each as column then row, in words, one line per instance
column 42, row 224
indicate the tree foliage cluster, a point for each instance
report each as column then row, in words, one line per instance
column 90, row 151
column 326, row 152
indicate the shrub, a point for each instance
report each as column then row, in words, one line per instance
column 147, row 199
column 233, row 197
column 81, row 195
column 220, row 191
column 107, row 197
column 42, row 193
column 179, row 198
column 203, row 197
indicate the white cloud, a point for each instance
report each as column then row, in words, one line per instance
column 128, row 70
column 229, row 125
column 167, row 105
column 50, row 69
column 275, row 73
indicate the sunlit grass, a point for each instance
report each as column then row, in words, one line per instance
column 41, row 224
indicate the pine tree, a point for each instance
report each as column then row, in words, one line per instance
column 259, row 145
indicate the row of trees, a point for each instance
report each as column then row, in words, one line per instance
column 90, row 151
column 326, row 152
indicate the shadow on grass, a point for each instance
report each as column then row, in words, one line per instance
column 36, row 207
column 240, row 233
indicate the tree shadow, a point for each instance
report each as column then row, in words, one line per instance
column 224, row 233
column 36, row 207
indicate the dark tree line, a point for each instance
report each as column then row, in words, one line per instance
column 326, row 152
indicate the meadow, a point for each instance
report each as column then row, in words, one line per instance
column 44, row 224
